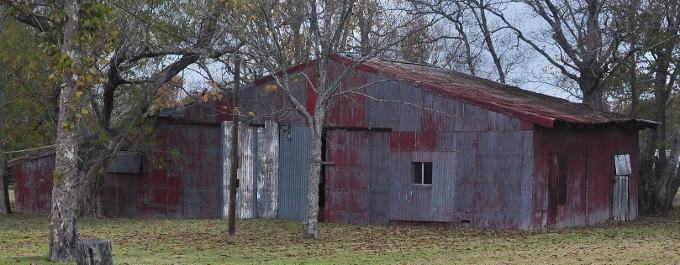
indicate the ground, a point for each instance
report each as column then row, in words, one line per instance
column 648, row 240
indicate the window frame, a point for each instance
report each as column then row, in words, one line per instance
column 422, row 173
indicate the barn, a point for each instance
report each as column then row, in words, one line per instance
column 406, row 144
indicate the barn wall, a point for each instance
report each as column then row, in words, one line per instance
column 358, row 182
column 33, row 185
column 483, row 161
column 182, row 182
column 589, row 154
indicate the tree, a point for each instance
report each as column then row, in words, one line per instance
column 585, row 35
column 77, row 36
column 139, row 69
column 27, row 100
column 658, row 27
column 327, row 24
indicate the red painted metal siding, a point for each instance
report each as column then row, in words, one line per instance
column 187, row 186
column 589, row 154
column 358, row 183
column 33, row 185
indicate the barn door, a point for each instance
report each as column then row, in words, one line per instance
column 256, row 194
column 358, row 179
column 294, row 152
column 622, row 169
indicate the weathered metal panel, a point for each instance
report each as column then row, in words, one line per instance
column 126, row 162
column 358, row 181
column 268, row 173
column 590, row 173
column 251, row 185
column 294, row 152
column 480, row 177
column 401, row 101
column 247, row 194
column 349, row 108
column 620, row 199
column 33, row 184
column 190, row 186
column 380, row 174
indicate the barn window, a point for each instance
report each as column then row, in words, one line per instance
column 126, row 162
column 422, row 173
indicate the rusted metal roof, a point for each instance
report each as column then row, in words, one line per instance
column 21, row 160
column 529, row 106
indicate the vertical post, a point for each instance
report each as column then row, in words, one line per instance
column 4, row 191
column 233, row 179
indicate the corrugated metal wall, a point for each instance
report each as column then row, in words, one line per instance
column 358, row 181
column 590, row 154
column 268, row 170
column 186, row 186
column 257, row 193
column 33, row 185
column 294, row 155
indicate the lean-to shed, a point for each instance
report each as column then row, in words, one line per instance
column 180, row 180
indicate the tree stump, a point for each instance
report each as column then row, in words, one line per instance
column 94, row 252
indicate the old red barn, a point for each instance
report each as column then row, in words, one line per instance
column 410, row 144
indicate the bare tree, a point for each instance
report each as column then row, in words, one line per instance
column 480, row 43
column 585, row 36
column 326, row 24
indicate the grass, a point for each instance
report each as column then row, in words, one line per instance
column 648, row 240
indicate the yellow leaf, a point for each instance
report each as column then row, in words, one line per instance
column 295, row 79
column 236, row 111
column 104, row 61
column 78, row 94
column 270, row 88
column 204, row 98
column 212, row 84
column 218, row 96
column 85, row 111
column 251, row 114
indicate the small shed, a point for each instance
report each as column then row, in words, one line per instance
column 180, row 180
column 406, row 144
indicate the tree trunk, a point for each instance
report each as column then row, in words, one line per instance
column 310, row 227
column 668, row 181
column 63, row 231
column 90, row 205
column 4, row 191
column 592, row 94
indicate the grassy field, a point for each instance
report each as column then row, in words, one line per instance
column 23, row 240
column 649, row 240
